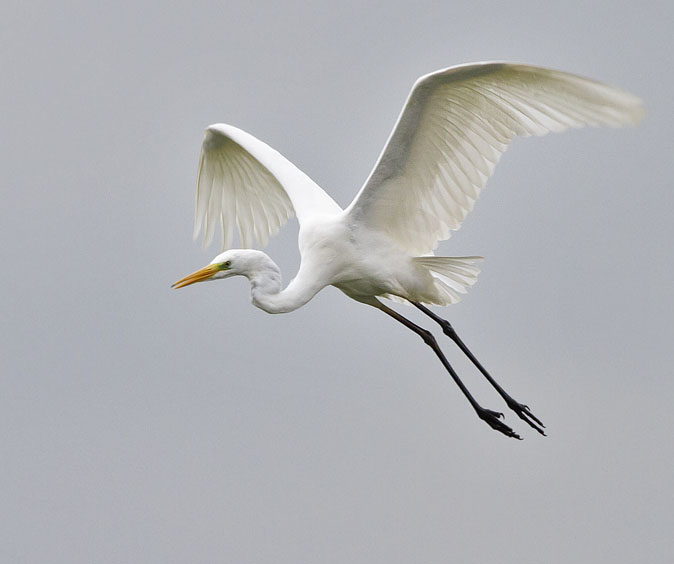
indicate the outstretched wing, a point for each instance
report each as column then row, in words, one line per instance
column 454, row 127
column 244, row 183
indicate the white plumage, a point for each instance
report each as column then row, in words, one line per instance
column 454, row 127
column 244, row 182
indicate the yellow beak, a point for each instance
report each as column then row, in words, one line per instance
column 199, row 276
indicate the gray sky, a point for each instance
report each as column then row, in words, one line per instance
column 139, row 424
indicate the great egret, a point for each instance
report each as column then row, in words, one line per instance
column 451, row 132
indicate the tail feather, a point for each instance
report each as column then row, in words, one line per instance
column 453, row 275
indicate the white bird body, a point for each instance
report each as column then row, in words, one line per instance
column 341, row 250
column 335, row 253
column 451, row 132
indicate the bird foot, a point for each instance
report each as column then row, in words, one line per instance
column 524, row 413
column 493, row 419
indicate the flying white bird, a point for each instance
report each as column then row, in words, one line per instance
column 451, row 132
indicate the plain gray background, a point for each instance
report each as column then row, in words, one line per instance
column 143, row 425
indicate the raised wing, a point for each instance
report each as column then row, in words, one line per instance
column 243, row 182
column 454, row 127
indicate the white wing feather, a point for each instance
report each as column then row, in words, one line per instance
column 454, row 127
column 245, row 183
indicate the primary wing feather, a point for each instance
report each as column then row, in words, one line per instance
column 245, row 184
column 454, row 127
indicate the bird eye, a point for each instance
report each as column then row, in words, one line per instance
column 226, row 264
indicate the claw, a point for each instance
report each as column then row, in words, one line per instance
column 524, row 413
column 492, row 418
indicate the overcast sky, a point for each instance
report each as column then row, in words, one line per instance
column 143, row 425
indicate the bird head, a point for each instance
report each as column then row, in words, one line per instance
column 234, row 262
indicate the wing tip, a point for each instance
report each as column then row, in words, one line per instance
column 637, row 112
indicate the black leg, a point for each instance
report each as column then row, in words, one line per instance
column 522, row 410
column 492, row 418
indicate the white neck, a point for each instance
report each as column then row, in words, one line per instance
column 265, row 290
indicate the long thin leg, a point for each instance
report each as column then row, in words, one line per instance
column 522, row 410
column 492, row 418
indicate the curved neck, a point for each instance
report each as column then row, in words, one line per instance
column 266, row 294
